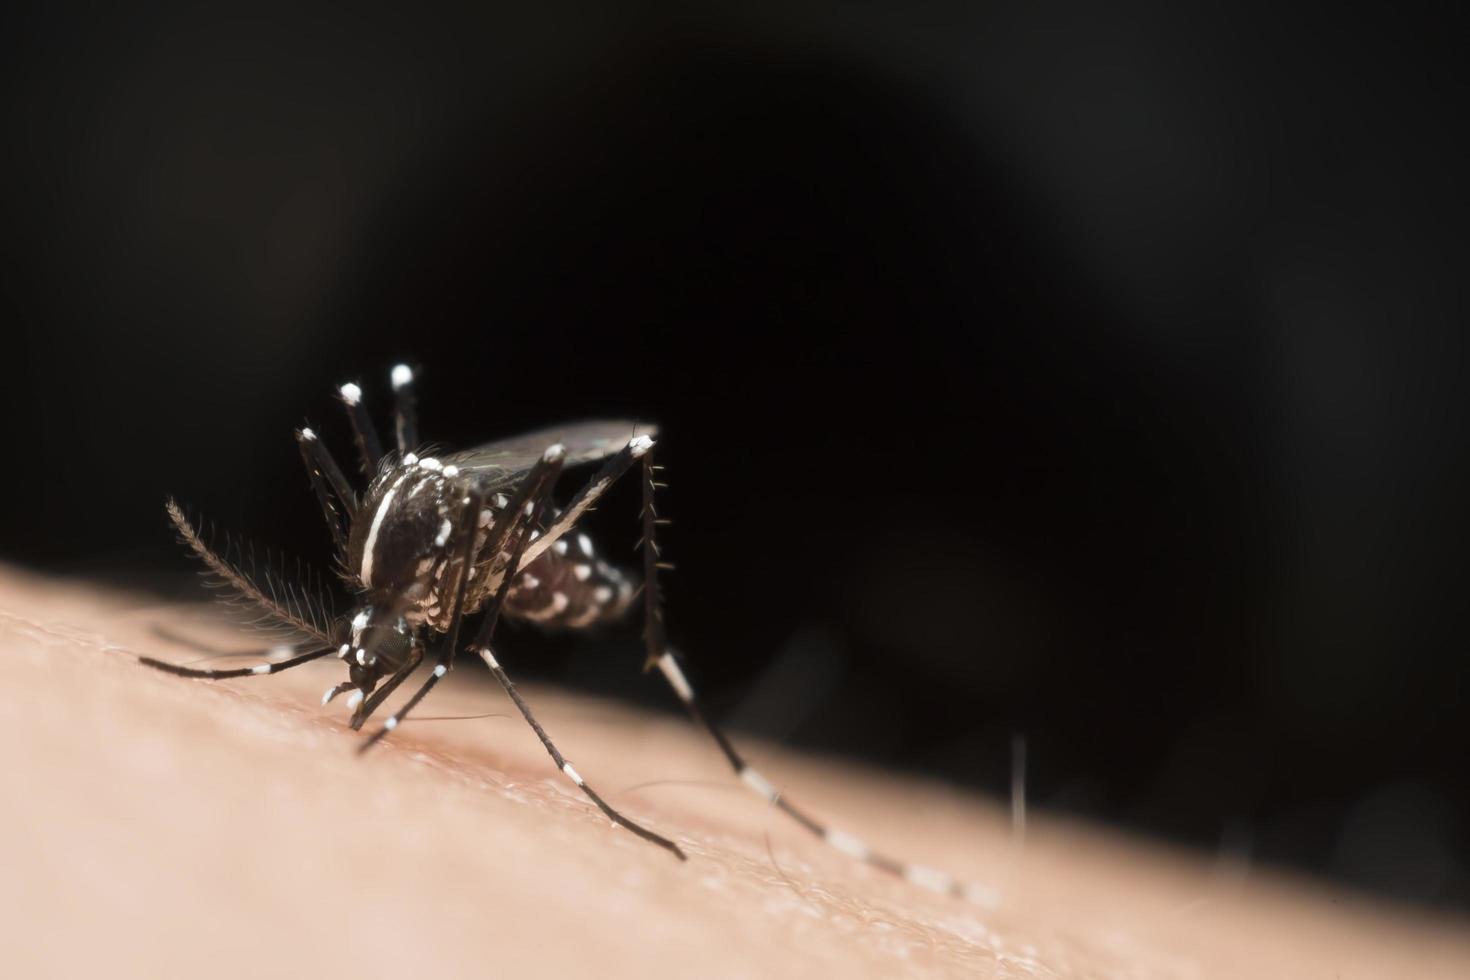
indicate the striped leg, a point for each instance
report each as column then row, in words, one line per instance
column 405, row 417
column 369, row 450
column 654, row 639
column 367, row 707
column 535, row 488
column 637, row 448
column 274, row 667
column 481, row 645
column 488, row 655
column 325, row 473
column 662, row 657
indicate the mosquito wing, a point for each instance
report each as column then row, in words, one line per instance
column 501, row 464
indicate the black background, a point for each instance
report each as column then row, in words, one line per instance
column 1092, row 376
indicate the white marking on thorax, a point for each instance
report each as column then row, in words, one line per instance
column 351, row 393
column 372, row 538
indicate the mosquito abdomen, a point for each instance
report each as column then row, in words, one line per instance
column 569, row 587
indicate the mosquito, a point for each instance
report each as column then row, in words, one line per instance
column 434, row 540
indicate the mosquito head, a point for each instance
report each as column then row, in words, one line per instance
column 373, row 641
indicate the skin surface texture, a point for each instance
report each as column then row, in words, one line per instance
column 155, row 826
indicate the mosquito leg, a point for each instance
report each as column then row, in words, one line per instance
column 582, row 590
column 324, row 473
column 654, row 638
column 369, row 449
column 405, row 415
column 277, row 653
column 534, row 489
column 218, row 675
column 366, row 708
column 662, row 657
column 614, row 468
column 332, row 692
column 481, row 645
column 488, row 656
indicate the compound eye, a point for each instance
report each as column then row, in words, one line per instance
column 386, row 643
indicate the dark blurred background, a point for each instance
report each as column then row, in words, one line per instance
column 1095, row 376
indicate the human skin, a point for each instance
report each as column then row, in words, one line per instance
column 155, row 826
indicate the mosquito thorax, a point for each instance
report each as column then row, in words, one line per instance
column 399, row 547
column 405, row 519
